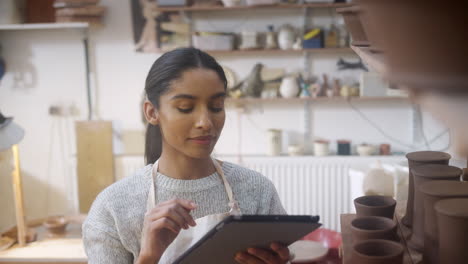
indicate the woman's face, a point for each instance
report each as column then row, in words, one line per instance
column 191, row 114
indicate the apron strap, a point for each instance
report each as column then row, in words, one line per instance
column 233, row 204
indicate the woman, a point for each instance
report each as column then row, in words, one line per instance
column 154, row 216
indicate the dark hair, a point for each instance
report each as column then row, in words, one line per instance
column 166, row 69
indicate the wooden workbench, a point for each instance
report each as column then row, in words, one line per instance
column 67, row 248
column 410, row 256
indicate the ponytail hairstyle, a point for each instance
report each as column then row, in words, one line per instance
column 166, row 69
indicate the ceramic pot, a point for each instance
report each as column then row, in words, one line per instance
column 433, row 192
column 416, row 159
column 321, row 148
column 452, row 224
column 365, row 150
column 375, row 205
column 286, row 37
column 289, row 87
column 373, row 227
column 351, row 16
column 274, row 142
column 413, row 33
column 377, row 251
column 55, row 225
column 423, row 174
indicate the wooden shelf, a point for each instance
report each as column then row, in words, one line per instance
column 246, row 101
column 374, row 60
column 44, row 26
column 245, row 7
column 279, row 51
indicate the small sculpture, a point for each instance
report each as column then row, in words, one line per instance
column 252, row 86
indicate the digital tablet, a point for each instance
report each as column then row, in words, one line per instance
column 237, row 233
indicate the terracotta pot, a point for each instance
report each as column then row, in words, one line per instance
column 377, row 251
column 373, row 227
column 433, row 192
column 416, row 159
column 351, row 16
column 424, row 41
column 452, row 222
column 375, row 205
column 56, row 225
column 423, row 174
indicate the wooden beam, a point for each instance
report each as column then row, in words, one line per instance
column 18, row 191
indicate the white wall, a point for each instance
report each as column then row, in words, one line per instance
column 51, row 63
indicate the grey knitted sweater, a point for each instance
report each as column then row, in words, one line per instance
column 112, row 230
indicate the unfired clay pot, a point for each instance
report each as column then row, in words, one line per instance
column 433, row 192
column 377, row 251
column 375, row 205
column 452, row 223
column 415, row 159
column 373, row 227
column 413, row 34
column 423, row 174
column 353, row 24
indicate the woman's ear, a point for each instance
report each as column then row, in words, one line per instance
column 151, row 113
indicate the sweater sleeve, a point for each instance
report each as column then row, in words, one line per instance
column 275, row 208
column 100, row 237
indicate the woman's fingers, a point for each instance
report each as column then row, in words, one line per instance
column 187, row 204
column 245, row 258
column 175, row 210
column 165, row 223
column 281, row 250
column 265, row 255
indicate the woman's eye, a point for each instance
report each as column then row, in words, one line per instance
column 216, row 109
column 184, row 110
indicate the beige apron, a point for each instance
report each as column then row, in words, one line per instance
column 188, row 237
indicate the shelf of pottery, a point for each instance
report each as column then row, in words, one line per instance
column 173, row 23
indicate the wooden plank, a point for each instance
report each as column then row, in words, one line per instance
column 95, row 160
column 347, row 239
column 375, row 60
column 244, row 7
column 246, row 101
column 19, row 204
column 279, row 51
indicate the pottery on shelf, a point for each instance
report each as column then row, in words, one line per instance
column 416, row 159
column 373, row 227
column 433, row 192
column 321, row 148
column 286, row 37
column 365, row 149
column 274, row 142
column 375, row 205
column 452, row 223
column 423, row 174
column 289, row 87
column 377, row 251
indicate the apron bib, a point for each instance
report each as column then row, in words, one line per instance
column 188, row 237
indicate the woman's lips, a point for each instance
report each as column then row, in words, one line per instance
column 204, row 140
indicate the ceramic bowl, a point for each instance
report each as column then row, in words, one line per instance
column 377, row 251
column 56, row 224
column 373, row 227
column 375, row 205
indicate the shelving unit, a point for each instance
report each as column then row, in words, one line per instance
column 244, row 7
column 249, row 101
column 38, row 26
column 280, row 52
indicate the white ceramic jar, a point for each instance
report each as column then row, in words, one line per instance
column 286, row 37
column 289, row 87
column 274, row 142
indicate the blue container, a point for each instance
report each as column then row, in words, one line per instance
column 313, row 39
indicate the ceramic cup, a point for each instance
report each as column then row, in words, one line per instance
column 377, row 251
column 452, row 222
column 373, row 227
column 375, row 205
column 55, row 225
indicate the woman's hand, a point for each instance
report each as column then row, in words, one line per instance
column 162, row 225
column 278, row 254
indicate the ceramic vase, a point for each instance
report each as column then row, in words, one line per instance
column 423, row 174
column 452, row 224
column 286, row 37
column 289, row 87
column 416, row 159
column 433, row 192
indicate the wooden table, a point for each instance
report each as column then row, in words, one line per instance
column 410, row 256
column 67, row 248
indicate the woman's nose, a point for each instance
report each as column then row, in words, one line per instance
column 204, row 121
